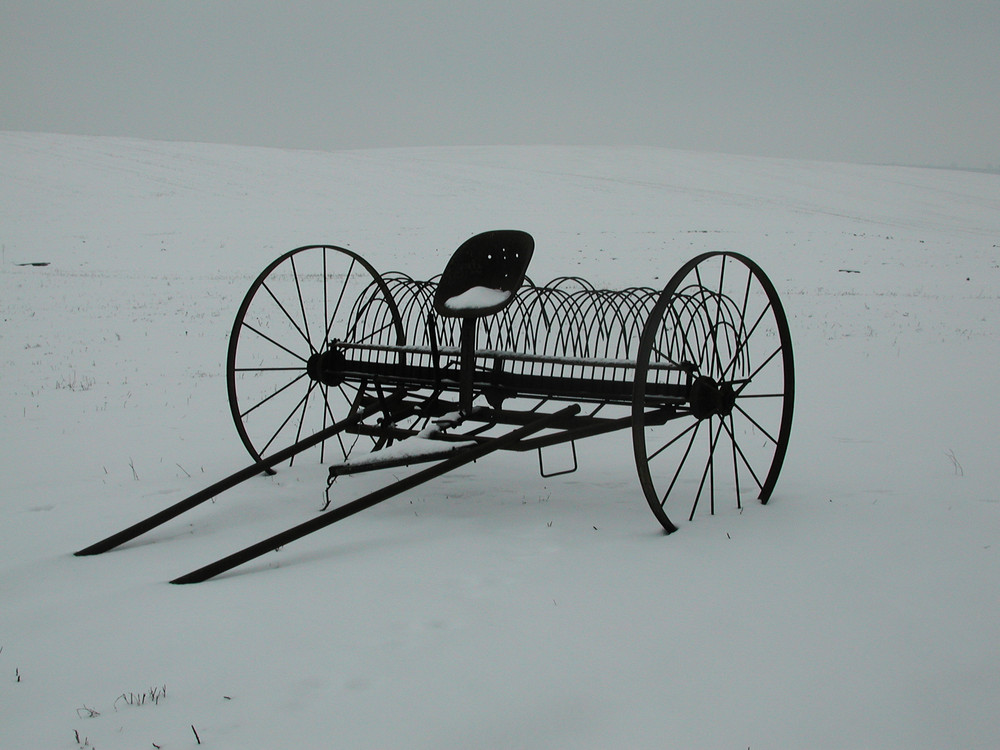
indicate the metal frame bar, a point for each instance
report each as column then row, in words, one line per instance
column 510, row 356
column 463, row 456
column 507, row 384
column 157, row 519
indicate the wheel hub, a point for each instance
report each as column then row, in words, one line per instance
column 709, row 398
column 327, row 367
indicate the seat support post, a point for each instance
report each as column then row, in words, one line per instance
column 467, row 364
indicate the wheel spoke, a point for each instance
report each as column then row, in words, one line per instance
column 756, row 424
column 358, row 392
column 746, row 301
column 751, row 376
column 736, row 466
column 374, row 333
column 746, row 461
column 268, row 369
column 336, row 308
column 742, row 345
column 326, row 315
column 718, row 317
column 268, row 338
column 686, row 338
column 343, row 449
column 302, row 306
column 302, row 417
column 271, row 396
column 664, row 357
column 290, row 318
column 654, row 454
column 742, row 336
column 328, row 412
column 287, row 420
column 680, row 464
column 326, row 403
column 708, row 471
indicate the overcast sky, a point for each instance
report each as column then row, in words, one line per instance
column 882, row 81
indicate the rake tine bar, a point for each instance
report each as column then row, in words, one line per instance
column 232, row 480
column 462, row 457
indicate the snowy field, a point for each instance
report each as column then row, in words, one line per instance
column 493, row 608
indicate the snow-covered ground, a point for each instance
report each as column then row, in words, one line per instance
column 492, row 607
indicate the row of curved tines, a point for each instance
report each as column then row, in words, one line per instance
column 561, row 323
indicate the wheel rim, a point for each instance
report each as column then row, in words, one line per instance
column 719, row 321
column 301, row 302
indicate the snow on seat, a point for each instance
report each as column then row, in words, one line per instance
column 478, row 298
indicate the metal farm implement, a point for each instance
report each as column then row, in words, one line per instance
column 369, row 371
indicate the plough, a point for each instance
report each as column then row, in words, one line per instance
column 330, row 360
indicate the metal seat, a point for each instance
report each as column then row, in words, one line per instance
column 484, row 274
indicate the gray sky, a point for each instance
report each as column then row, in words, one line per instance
column 885, row 81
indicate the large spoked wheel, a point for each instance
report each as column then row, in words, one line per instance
column 304, row 305
column 712, row 405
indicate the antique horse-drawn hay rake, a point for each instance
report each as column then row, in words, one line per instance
column 370, row 371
